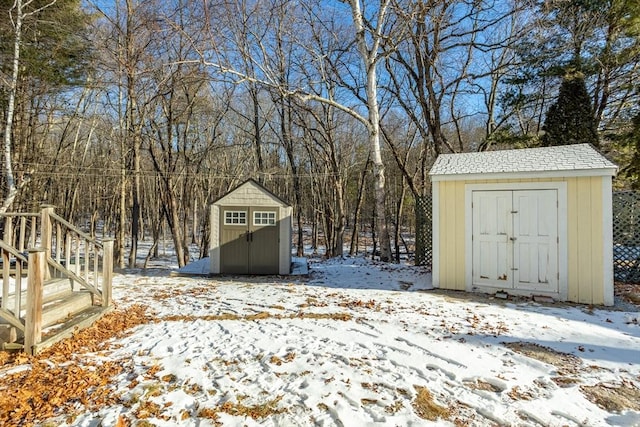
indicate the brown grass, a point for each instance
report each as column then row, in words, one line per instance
column 345, row 317
column 613, row 398
column 394, row 407
column 275, row 360
column 263, row 315
column 629, row 292
column 210, row 414
column 565, row 382
column 479, row 384
column 516, row 393
column 256, row 412
column 567, row 362
column 426, row 408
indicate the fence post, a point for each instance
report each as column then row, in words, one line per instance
column 35, row 285
column 107, row 271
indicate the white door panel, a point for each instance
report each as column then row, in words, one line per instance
column 491, row 230
column 535, row 230
column 515, row 239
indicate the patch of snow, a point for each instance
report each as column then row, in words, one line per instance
column 284, row 341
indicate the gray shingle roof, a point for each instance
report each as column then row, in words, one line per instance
column 576, row 157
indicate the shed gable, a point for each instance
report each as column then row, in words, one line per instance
column 251, row 193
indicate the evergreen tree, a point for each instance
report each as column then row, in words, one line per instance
column 633, row 170
column 570, row 119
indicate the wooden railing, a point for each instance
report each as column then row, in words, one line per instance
column 57, row 251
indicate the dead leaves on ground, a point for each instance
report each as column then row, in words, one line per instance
column 257, row 412
column 275, row 360
column 56, row 382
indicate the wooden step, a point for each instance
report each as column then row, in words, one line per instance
column 54, row 289
column 80, row 321
column 61, row 309
column 66, row 329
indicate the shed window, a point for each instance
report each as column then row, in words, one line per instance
column 235, row 218
column 264, row 218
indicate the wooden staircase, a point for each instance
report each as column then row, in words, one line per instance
column 68, row 280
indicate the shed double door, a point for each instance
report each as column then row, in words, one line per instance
column 515, row 240
column 249, row 240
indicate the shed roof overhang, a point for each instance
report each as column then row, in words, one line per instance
column 523, row 175
column 543, row 162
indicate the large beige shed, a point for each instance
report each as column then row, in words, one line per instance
column 250, row 232
column 532, row 221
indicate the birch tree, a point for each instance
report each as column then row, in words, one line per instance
column 20, row 11
column 369, row 36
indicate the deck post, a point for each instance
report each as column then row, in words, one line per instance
column 6, row 261
column 107, row 271
column 46, row 231
column 8, row 231
column 35, row 285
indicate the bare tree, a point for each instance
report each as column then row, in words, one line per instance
column 368, row 38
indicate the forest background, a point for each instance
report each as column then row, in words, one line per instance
column 135, row 115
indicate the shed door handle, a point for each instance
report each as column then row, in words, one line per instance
column 513, row 239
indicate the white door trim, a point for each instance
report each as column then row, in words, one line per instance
column 561, row 187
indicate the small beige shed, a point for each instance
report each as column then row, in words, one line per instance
column 530, row 222
column 250, row 232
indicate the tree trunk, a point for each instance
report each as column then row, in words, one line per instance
column 122, row 218
column 11, row 189
column 173, row 218
column 135, row 208
column 133, row 132
column 370, row 56
column 397, row 236
column 378, row 168
column 353, row 250
column 339, row 221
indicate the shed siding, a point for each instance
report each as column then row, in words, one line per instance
column 585, row 231
column 585, row 240
column 451, row 216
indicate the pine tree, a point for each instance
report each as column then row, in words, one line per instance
column 633, row 138
column 570, row 119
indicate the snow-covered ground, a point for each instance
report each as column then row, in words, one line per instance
column 363, row 344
